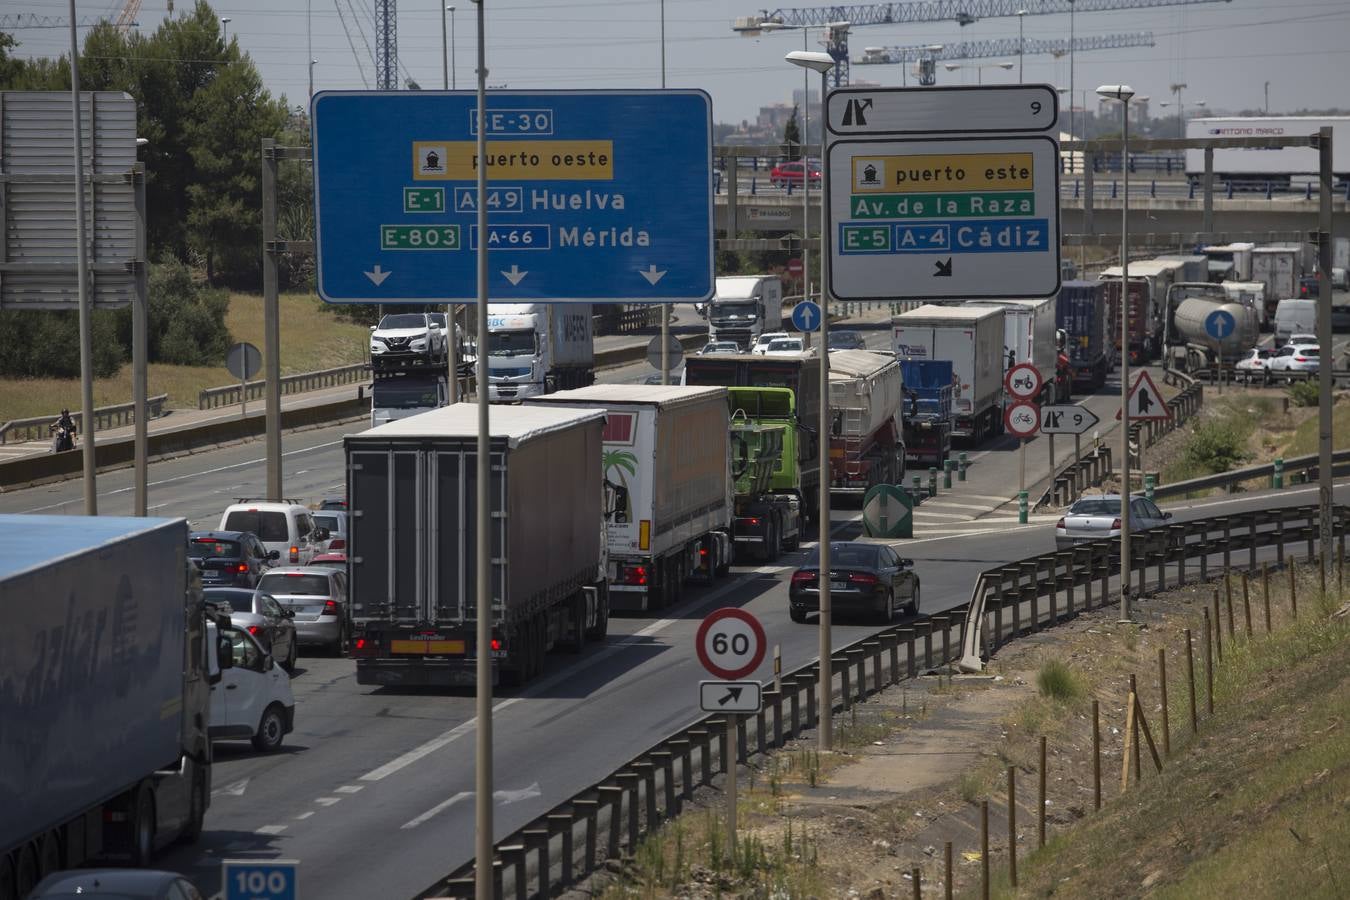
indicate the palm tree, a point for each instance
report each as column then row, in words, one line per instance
column 623, row 461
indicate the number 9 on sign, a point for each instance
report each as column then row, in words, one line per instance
column 730, row 643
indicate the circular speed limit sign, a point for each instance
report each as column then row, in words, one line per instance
column 730, row 643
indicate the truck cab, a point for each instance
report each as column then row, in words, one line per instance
column 538, row 348
column 744, row 308
column 397, row 395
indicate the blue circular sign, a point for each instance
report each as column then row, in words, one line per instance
column 806, row 316
column 1220, row 324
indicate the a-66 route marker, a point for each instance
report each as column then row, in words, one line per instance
column 731, row 644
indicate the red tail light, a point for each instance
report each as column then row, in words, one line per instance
column 1115, row 523
column 1060, row 523
column 800, row 577
column 754, row 520
column 337, row 544
column 1300, row 359
column 862, row 578
column 331, row 608
column 635, row 575
column 242, row 567
column 496, row 644
column 254, row 630
column 360, row 644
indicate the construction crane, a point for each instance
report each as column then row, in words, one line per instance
column 125, row 21
column 927, row 54
column 839, row 19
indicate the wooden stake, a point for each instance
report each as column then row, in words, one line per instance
column 1246, row 603
column 1322, row 569
column 1218, row 628
column 1134, row 733
column 1228, row 600
column 1190, row 680
column 1129, row 741
column 1040, row 805
column 1209, row 668
column 1096, row 758
column 1148, row 735
column 1162, row 694
column 1293, row 591
column 947, row 869
column 1265, row 592
column 1012, row 825
column 1340, row 568
column 984, row 849
column 914, row 878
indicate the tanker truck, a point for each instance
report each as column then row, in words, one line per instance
column 1205, row 327
column 866, row 447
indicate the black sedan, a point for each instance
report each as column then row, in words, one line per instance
column 230, row 558
column 866, row 578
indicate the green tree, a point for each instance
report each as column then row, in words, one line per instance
column 792, row 137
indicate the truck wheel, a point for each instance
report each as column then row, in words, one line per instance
column 8, row 891
column 143, row 827
column 796, row 614
column 196, row 811
column 601, row 628
column 795, row 542
column 271, row 730
column 25, row 871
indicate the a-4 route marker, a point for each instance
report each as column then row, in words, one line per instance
column 592, row 196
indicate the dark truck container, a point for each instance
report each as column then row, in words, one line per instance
column 801, row 375
column 1081, row 314
column 927, row 410
column 104, row 693
column 411, row 493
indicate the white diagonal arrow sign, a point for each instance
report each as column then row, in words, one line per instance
column 515, row 276
column 651, row 274
column 378, row 275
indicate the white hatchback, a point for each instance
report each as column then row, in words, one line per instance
column 252, row 700
column 764, row 340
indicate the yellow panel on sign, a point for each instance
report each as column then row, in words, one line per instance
column 942, row 172
column 523, row 160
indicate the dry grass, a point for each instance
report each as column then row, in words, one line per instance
column 311, row 339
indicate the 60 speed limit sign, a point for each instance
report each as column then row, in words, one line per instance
column 730, row 643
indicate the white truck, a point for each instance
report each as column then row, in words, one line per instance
column 538, row 348
column 1230, row 261
column 1029, row 337
column 1254, row 168
column 667, row 475
column 1279, row 268
column 399, row 394
column 744, row 307
column 971, row 338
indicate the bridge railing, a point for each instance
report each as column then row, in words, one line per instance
column 36, row 428
column 229, row 395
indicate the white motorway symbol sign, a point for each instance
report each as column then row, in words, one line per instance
column 998, row 109
column 729, row 696
column 1067, row 419
column 947, row 218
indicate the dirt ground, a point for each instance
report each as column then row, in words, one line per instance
column 914, row 764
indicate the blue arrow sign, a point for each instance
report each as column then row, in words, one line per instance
column 1220, row 324
column 806, row 316
column 592, row 196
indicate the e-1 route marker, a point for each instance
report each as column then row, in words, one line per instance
column 593, row 196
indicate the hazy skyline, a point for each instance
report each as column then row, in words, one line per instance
column 1223, row 51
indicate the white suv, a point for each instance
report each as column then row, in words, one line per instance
column 408, row 337
column 287, row 527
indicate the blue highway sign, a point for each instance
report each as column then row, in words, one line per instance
column 591, row 196
column 1219, row 324
column 806, row 316
column 247, row 879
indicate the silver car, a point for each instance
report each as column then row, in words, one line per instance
column 317, row 598
column 259, row 613
column 1095, row 518
column 334, row 521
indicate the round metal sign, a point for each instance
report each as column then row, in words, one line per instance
column 1023, row 381
column 676, row 352
column 1022, row 419
column 243, row 360
column 730, row 643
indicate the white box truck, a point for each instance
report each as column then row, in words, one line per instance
column 538, row 348
column 1279, row 268
column 971, row 338
column 667, row 473
column 744, row 307
column 1029, row 337
column 1253, row 167
column 1230, row 261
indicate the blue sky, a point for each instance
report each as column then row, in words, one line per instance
column 1224, row 52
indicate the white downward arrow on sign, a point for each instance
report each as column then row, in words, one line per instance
column 651, row 274
column 379, row 275
column 515, row 276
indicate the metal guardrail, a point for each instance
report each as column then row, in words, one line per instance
column 105, row 417
column 564, row 845
column 1227, row 480
column 228, row 395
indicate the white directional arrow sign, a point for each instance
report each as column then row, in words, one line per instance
column 515, row 276
column 378, row 275
column 651, row 274
column 1067, row 419
column 729, row 696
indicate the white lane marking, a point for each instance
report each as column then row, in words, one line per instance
column 350, row 789
column 304, row 815
column 328, row 801
column 436, row 810
column 235, row 789
column 430, row 746
column 191, row 475
column 271, row 829
column 925, row 514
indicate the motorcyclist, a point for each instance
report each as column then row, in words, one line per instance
column 65, row 428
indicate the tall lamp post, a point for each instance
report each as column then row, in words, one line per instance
column 1021, row 42
column 225, row 29
column 823, row 63
column 451, row 316
column 1123, row 93
column 1073, row 135
column 979, row 69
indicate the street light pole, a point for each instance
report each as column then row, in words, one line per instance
column 1021, row 42
column 1073, row 135
column 1123, row 93
column 1181, row 110
column 225, row 29
column 665, row 307
column 822, row 63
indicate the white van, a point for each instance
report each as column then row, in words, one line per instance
column 287, row 527
column 252, row 698
column 1294, row 315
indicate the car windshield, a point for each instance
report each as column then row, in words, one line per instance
column 208, row 548
column 239, row 599
column 403, row 394
column 864, row 555
column 403, row 320
column 785, row 345
column 510, row 343
column 746, row 309
column 332, row 523
column 294, row 583
column 268, row 526
column 1096, row 506
column 845, row 340
column 769, row 338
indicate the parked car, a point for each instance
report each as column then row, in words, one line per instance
column 253, row 699
column 846, row 340
column 720, row 347
column 316, row 597
column 408, row 337
column 233, row 558
column 762, row 342
column 868, row 578
column 260, row 615
column 333, row 521
column 1293, row 358
column 784, row 346
column 1253, row 365
column 286, row 527
column 790, row 173
column 119, row 884
column 1097, row 517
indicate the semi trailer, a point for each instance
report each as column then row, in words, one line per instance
column 866, row 444
column 971, row 339
column 1081, row 313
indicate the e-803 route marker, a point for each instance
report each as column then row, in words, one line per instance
column 591, row 196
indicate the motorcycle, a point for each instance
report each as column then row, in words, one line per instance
column 64, row 438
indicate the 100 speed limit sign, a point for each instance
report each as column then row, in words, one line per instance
column 730, row 643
